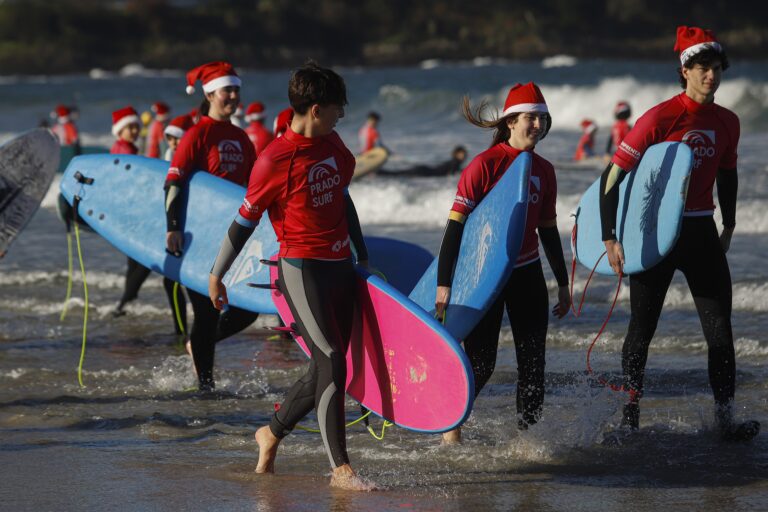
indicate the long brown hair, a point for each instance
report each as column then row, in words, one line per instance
column 477, row 117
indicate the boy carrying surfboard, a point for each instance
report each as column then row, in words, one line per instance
column 712, row 133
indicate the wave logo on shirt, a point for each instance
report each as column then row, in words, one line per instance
column 230, row 155
column 702, row 144
column 246, row 266
column 486, row 238
column 533, row 197
column 322, row 170
column 323, row 179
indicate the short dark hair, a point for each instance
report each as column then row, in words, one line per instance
column 312, row 84
column 704, row 58
column 374, row 115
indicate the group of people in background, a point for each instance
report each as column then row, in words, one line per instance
column 585, row 148
column 316, row 238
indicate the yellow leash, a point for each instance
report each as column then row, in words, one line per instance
column 69, row 277
column 85, row 313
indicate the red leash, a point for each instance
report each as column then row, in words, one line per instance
column 577, row 313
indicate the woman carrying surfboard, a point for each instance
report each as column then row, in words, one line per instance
column 712, row 132
column 525, row 120
column 216, row 146
column 301, row 179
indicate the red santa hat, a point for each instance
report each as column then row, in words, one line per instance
column 61, row 111
column 524, row 98
column 214, row 75
column 255, row 112
column 160, row 108
column 621, row 107
column 693, row 40
column 282, row 121
column 588, row 125
column 179, row 125
column 122, row 118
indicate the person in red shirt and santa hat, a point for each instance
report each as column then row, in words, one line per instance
column 622, row 112
column 282, row 122
column 216, row 146
column 65, row 129
column 524, row 122
column 156, row 128
column 586, row 145
column 256, row 130
column 175, row 131
column 712, row 132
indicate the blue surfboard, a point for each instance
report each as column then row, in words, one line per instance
column 649, row 218
column 124, row 203
column 490, row 245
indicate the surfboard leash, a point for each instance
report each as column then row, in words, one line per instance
column 69, row 277
column 75, row 204
column 363, row 417
column 577, row 313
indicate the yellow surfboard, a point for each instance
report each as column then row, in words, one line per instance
column 370, row 161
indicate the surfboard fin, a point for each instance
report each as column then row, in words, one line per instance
column 263, row 286
column 271, row 263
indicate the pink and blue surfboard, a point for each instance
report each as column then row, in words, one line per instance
column 401, row 364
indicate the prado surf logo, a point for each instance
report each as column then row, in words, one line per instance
column 702, row 144
column 323, row 178
column 230, row 155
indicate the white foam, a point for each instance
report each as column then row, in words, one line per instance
column 559, row 61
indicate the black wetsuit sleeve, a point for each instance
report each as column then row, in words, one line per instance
column 553, row 249
column 233, row 243
column 609, row 199
column 727, row 189
column 172, row 206
column 449, row 252
column 355, row 231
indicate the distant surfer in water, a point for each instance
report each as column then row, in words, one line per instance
column 621, row 113
column 301, row 180
column 125, row 128
column 216, row 146
column 586, row 145
column 449, row 167
column 525, row 120
column 712, row 132
column 369, row 133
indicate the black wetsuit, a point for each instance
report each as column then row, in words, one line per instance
column 135, row 276
column 321, row 295
column 447, row 168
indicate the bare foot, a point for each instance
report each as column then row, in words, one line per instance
column 452, row 437
column 268, row 443
column 344, row 478
column 188, row 347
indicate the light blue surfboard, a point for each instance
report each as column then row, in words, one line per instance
column 125, row 205
column 649, row 218
column 490, row 245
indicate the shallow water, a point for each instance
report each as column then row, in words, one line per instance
column 136, row 438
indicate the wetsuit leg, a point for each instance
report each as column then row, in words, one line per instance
column 135, row 276
column 321, row 297
column 482, row 344
column 233, row 321
column 203, row 338
column 527, row 302
column 169, row 286
column 647, row 291
column 706, row 269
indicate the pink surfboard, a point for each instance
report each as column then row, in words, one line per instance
column 401, row 364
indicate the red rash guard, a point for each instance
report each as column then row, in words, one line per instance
column 619, row 131
column 369, row 138
column 66, row 132
column 122, row 147
column 153, row 139
column 259, row 136
column 218, row 147
column 487, row 168
column 301, row 182
column 711, row 131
